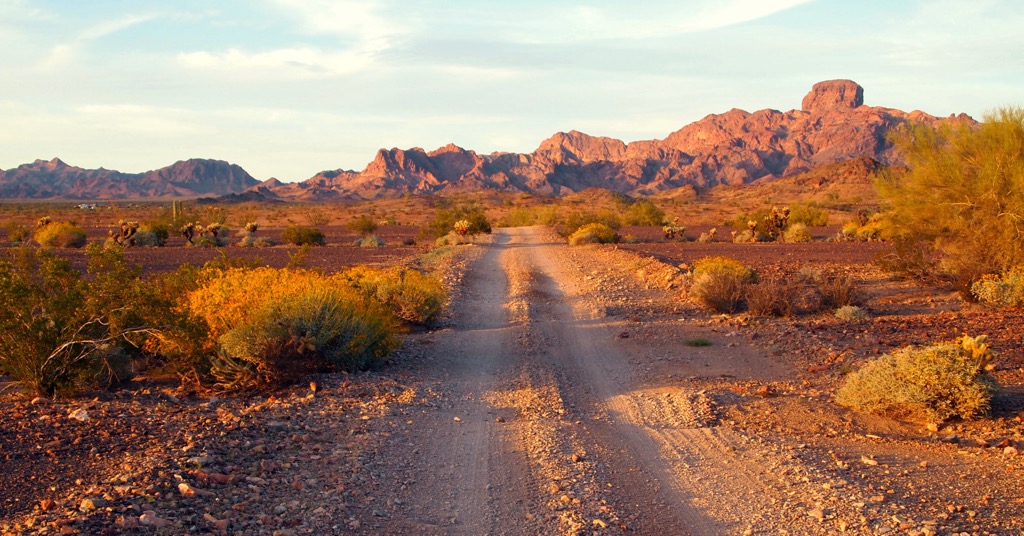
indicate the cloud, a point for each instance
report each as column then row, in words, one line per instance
column 297, row 62
column 358, row 19
column 63, row 54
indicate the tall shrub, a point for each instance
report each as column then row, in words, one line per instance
column 962, row 194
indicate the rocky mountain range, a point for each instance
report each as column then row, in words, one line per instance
column 54, row 179
column 736, row 147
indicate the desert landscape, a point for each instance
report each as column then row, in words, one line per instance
column 660, row 337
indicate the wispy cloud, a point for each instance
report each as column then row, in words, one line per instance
column 297, row 62
column 358, row 33
column 62, row 54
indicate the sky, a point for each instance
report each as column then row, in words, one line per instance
column 289, row 88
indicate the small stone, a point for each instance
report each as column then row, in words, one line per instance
column 499, row 419
column 79, row 414
column 554, row 487
column 932, row 427
column 91, row 503
column 868, row 461
column 599, row 524
column 150, row 518
column 456, row 419
column 1010, row 451
column 46, row 505
column 39, row 401
column 186, row 490
column 817, row 513
column 576, row 458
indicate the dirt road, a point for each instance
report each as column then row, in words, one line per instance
column 543, row 425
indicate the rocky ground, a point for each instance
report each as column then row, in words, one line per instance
column 563, row 395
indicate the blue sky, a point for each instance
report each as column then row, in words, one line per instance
column 288, row 88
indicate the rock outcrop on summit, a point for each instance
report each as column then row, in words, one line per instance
column 736, row 147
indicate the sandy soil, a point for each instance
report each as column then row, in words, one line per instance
column 561, row 397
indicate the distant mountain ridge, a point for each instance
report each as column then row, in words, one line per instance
column 736, row 147
column 54, row 179
column 733, row 148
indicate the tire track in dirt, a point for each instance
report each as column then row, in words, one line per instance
column 463, row 474
column 666, row 460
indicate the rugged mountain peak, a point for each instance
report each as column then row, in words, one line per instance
column 576, row 146
column 450, row 148
column 833, row 94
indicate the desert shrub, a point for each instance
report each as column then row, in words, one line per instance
column 838, row 291
column 252, row 241
column 325, row 328
column 720, row 283
column 61, row 333
column 851, row 313
column 807, row 213
column 152, row 234
column 445, row 218
column 302, row 236
column 363, row 225
column 573, row 221
column 413, row 297
column 17, row 232
column 60, row 235
column 926, row 384
column 708, row 236
column 527, row 216
column 371, row 241
column 772, row 297
column 452, row 239
column 962, row 194
column 1007, row 289
column 797, row 232
column 267, row 325
column 643, row 213
column 594, row 233
column 317, row 217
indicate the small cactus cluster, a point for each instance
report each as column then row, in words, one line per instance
column 125, row 235
column 251, row 227
column 461, row 227
column 978, row 350
column 673, row 230
column 192, row 230
column 43, row 222
column 708, row 236
column 776, row 222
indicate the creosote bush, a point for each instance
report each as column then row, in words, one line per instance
column 594, row 233
column 1006, row 290
column 772, row 297
column 720, row 284
column 303, row 236
column 924, row 384
column 412, row 296
column 60, row 235
column 266, row 326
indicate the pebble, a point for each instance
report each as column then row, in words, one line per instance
column 91, row 503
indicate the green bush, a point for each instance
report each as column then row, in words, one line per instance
column 720, row 284
column 575, row 220
column 323, row 329
column 594, row 233
column 412, row 296
column 445, row 218
column 371, row 241
column 797, row 232
column 851, row 313
column 1007, row 289
column 17, row 232
column 962, row 194
column 807, row 213
column 302, row 236
column 60, row 235
column 930, row 384
column 61, row 333
column 643, row 213
column 364, row 225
